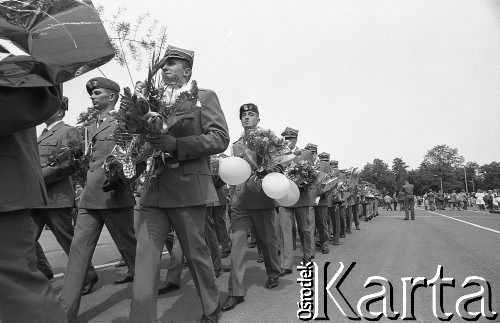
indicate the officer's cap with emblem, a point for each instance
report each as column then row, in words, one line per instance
column 102, row 83
column 290, row 133
column 180, row 53
column 324, row 156
column 248, row 107
column 311, row 147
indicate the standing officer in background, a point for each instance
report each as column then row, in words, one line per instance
column 288, row 231
column 105, row 201
column 25, row 293
column 409, row 200
column 179, row 193
column 57, row 176
column 321, row 210
column 249, row 207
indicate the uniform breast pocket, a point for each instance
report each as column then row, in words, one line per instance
column 105, row 143
column 183, row 128
column 47, row 147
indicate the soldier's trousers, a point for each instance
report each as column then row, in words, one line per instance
column 321, row 216
column 89, row 224
column 154, row 225
column 60, row 223
column 25, row 293
column 265, row 232
column 221, row 228
column 409, row 206
column 348, row 218
column 342, row 209
column 335, row 218
column 174, row 272
column 305, row 226
column 353, row 210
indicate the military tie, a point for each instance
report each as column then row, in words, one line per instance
column 44, row 131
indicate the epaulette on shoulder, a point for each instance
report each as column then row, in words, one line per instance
column 205, row 91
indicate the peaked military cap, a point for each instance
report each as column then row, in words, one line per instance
column 248, row 107
column 324, row 156
column 290, row 133
column 103, row 83
column 181, row 53
column 311, row 147
column 64, row 105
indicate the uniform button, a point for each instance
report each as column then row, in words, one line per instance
column 93, row 159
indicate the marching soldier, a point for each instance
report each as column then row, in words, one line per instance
column 61, row 195
column 26, row 295
column 105, row 201
column 302, row 212
column 291, row 136
column 177, row 196
column 321, row 210
column 336, row 212
column 249, row 207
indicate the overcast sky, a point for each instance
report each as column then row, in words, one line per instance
column 362, row 79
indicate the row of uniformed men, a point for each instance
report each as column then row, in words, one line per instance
column 177, row 197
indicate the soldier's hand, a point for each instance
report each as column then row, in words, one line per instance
column 112, row 183
column 163, row 142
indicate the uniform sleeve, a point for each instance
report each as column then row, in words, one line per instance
column 67, row 167
column 215, row 135
column 23, row 108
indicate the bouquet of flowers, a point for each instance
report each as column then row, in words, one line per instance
column 302, row 173
column 149, row 111
column 265, row 153
column 73, row 151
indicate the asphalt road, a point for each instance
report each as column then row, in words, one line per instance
column 464, row 243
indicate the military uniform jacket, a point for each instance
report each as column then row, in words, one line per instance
column 22, row 184
column 202, row 133
column 58, row 178
column 243, row 198
column 93, row 197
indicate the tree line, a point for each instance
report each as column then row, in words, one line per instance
column 442, row 167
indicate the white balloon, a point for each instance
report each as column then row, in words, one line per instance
column 291, row 197
column 234, row 170
column 275, row 185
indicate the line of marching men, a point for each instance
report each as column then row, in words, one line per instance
column 183, row 197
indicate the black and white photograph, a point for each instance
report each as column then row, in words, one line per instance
column 249, row 161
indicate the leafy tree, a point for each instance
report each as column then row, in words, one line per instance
column 399, row 171
column 473, row 180
column 379, row 174
column 442, row 161
column 491, row 175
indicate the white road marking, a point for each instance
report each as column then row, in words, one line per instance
column 469, row 223
column 109, row 264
